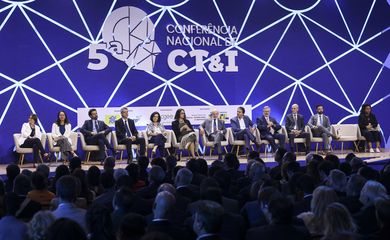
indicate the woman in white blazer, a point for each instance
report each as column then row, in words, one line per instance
column 60, row 132
column 31, row 138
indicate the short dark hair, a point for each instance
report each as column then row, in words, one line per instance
column 66, row 188
column 143, row 162
column 12, row 170
column 159, row 161
column 74, row 163
column 177, row 114
column 242, row 109
column 107, row 179
column 43, row 169
column 132, row 225
column 212, row 194
column 109, row 163
column 281, row 210
column 91, row 110
column 156, row 175
column 319, row 105
column 231, row 161
column 64, row 229
column 34, row 117
column 124, row 199
column 210, row 214
column 38, row 181
column 152, row 115
column 22, row 184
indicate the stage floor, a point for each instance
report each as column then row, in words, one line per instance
column 369, row 158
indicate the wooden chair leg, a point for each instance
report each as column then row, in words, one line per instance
column 238, row 149
column 342, row 146
column 316, row 147
column 88, row 155
column 211, row 150
column 225, row 149
column 265, row 149
column 121, row 156
column 21, row 159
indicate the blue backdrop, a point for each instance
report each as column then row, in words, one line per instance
column 306, row 52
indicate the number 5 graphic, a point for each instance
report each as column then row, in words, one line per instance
column 102, row 60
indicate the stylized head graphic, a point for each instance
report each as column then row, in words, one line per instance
column 129, row 35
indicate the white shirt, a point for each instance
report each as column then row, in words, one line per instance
column 320, row 118
column 156, row 129
column 212, row 125
column 295, row 117
column 126, row 122
column 242, row 123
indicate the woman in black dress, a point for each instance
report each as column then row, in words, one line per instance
column 368, row 127
column 184, row 132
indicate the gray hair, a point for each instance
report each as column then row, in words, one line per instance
column 256, row 171
column 123, row 109
column 355, row 185
column 183, row 177
column 371, row 192
column 163, row 203
column 167, row 187
column 337, row 180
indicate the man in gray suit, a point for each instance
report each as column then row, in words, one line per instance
column 215, row 130
column 320, row 126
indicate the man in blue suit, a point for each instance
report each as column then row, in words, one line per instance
column 95, row 133
column 269, row 128
column 243, row 128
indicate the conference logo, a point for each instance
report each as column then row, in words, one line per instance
column 128, row 34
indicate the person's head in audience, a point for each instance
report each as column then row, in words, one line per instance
column 280, row 211
column 22, row 185
column 349, row 157
column 355, row 185
column 203, row 167
column 223, row 178
column 265, row 195
column 156, row 175
column 12, row 170
column 322, row 197
column 306, row 184
column 382, row 209
column 171, row 161
column 256, row 171
column 337, row 180
column 163, row 204
column 39, row 224
column 289, row 157
column 356, row 163
column 337, row 219
column 159, row 161
column 312, row 170
column 324, row 169
column 60, row 171
column 183, row 177
column 43, row 169
column 26, row 172
column 143, row 162
column 193, row 166
column 133, row 171
column 119, row 172
column 254, row 189
column 124, row 181
column 99, row 223
column 371, row 192
column 109, row 163
column 208, row 218
column 65, row 229
column 132, row 227
column 208, row 182
column 369, row 173
column 93, row 175
column 123, row 199
column 107, row 180
column 66, row 189
column 168, row 188
column 38, row 181
column 346, row 168
column 289, row 168
column 252, row 155
column 175, row 170
column 333, row 159
column 212, row 194
column 279, row 153
column 215, row 168
column 231, row 161
column 74, row 163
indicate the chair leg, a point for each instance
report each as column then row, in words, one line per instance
column 316, row 147
column 265, row 149
column 88, row 155
column 342, row 146
column 21, row 159
column 121, row 156
column 211, row 150
column 238, row 149
column 225, row 149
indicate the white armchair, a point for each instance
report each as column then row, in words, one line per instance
column 55, row 149
column 90, row 148
column 23, row 151
column 347, row 133
column 150, row 145
column 122, row 147
column 234, row 142
column 210, row 144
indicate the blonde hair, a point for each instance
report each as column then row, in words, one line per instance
column 322, row 197
column 338, row 219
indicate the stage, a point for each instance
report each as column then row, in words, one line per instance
column 370, row 158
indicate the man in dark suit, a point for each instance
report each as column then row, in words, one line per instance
column 95, row 133
column 243, row 128
column 126, row 133
column 281, row 224
column 163, row 204
column 215, row 130
column 208, row 220
column 269, row 128
column 295, row 126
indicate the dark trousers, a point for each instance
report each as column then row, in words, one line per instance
column 36, row 145
column 217, row 138
column 324, row 133
column 101, row 141
column 245, row 134
column 138, row 141
column 371, row 136
column 304, row 135
column 271, row 139
column 159, row 140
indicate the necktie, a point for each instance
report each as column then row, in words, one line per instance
column 95, row 126
column 295, row 121
column 321, row 120
column 215, row 125
column 127, row 129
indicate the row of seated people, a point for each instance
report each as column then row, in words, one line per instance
column 243, row 128
column 326, row 198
